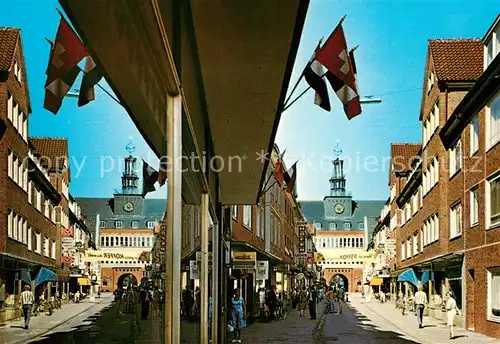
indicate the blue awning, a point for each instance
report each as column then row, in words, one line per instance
column 427, row 276
column 26, row 276
column 44, row 275
column 408, row 276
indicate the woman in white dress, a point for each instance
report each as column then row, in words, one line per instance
column 451, row 311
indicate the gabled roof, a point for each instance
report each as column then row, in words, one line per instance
column 403, row 154
column 52, row 151
column 8, row 43
column 457, row 59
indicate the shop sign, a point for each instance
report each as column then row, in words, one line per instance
column 67, row 243
column 100, row 255
column 244, row 260
column 310, row 259
column 262, row 270
column 193, row 270
column 318, row 257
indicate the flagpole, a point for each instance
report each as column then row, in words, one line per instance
column 298, row 97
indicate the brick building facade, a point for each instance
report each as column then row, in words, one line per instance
column 445, row 201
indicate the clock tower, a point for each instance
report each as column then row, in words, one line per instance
column 339, row 203
column 129, row 201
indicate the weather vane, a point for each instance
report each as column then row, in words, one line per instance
column 337, row 151
column 130, row 147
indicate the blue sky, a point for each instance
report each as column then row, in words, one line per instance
column 392, row 38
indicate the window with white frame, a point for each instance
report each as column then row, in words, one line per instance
column 46, row 246
column 102, row 224
column 10, row 106
column 38, row 242
column 347, row 225
column 421, row 240
column 492, row 47
column 493, row 201
column 403, row 256
column 234, row 211
column 150, row 224
column 408, row 247
column 456, row 220
column 30, row 239
column 431, row 230
column 247, row 216
column 333, row 225
column 118, row 224
column 455, row 158
column 53, row 250
column 408, row 212
column 361, row 225
column 474, row 136
column 414, row 200
column 494, row 294
column 430, row 81
column 474, row 207
column 135, row 224
column 257, row 222
column 493, row 121
column 415, row 244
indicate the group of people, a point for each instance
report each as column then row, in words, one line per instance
column 336, row 296
column 306, row 298
column 126, row 299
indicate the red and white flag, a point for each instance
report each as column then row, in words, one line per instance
column 67, row 232
column 62, row 70
column 335, row 57
column 67, row 259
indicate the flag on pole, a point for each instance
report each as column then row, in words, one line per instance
column 162, row 173
column 62, row 70
column 149, row 178
column 91, row 77
column 290, row 185
column 335, row 58
column 313, row 73
column 354, row 69
column 279, row 173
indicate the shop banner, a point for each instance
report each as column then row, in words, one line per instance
column 310, row 259
column 106, row 255
column 262, row 270
column 318, row 257
column 244, row 260
column 193, row 270
column 67, row 259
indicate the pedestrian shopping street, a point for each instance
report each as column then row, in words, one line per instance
column 360, row 322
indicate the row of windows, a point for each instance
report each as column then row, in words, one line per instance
column 339, row 263
column 133, row 224
column 18, row 229
column 17, row 171
column 334, row 225
column 430, row 176
column 431, row 124
column 118, row 262
column 18, row 119
column 123, row 241
column 339, row 242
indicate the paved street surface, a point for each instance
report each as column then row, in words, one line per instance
column 74, row 323
column 374, row 322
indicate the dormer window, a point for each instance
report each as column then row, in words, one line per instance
column 118, row 224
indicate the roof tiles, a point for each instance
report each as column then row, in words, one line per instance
column 403, row 154
column 52, row 151
column 8, row 43
column 457, row 59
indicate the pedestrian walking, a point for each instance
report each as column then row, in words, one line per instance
column 238, row 312
column 145, row 300
column 26, row 304
column 451, row 311
column 340, row 298
column 312, row 297
column 187, row 300
column 262, row 303
column 272, row 301
column 303, row 302
column 157, row 301
column 420, row 302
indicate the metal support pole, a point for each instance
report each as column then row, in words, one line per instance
column 204, row 268
column 215, row 280
column 174, row 209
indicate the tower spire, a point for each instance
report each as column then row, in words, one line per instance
column 130, row 177
column 338, row 181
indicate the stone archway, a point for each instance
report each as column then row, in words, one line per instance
column 340, row 280
column 127, row 279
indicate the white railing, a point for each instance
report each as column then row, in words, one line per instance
column 37, row 163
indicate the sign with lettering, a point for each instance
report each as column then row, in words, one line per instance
column 244, row 260
column 262, row 270
column 103, row 255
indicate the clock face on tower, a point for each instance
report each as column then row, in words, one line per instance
column 128, row 207
column 339, row 208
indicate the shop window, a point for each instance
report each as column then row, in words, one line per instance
column 494, row 294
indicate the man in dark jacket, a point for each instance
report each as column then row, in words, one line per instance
column 312, row 298
column 272, row 301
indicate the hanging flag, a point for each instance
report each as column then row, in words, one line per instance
column 279, row 174
column 313, row 73
column 162, row 173
column 68, row 232
column 290, row 185
column 91, row 77
column 65, row 53
column 149, row 178
column 67, row 259
column 340, row 71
